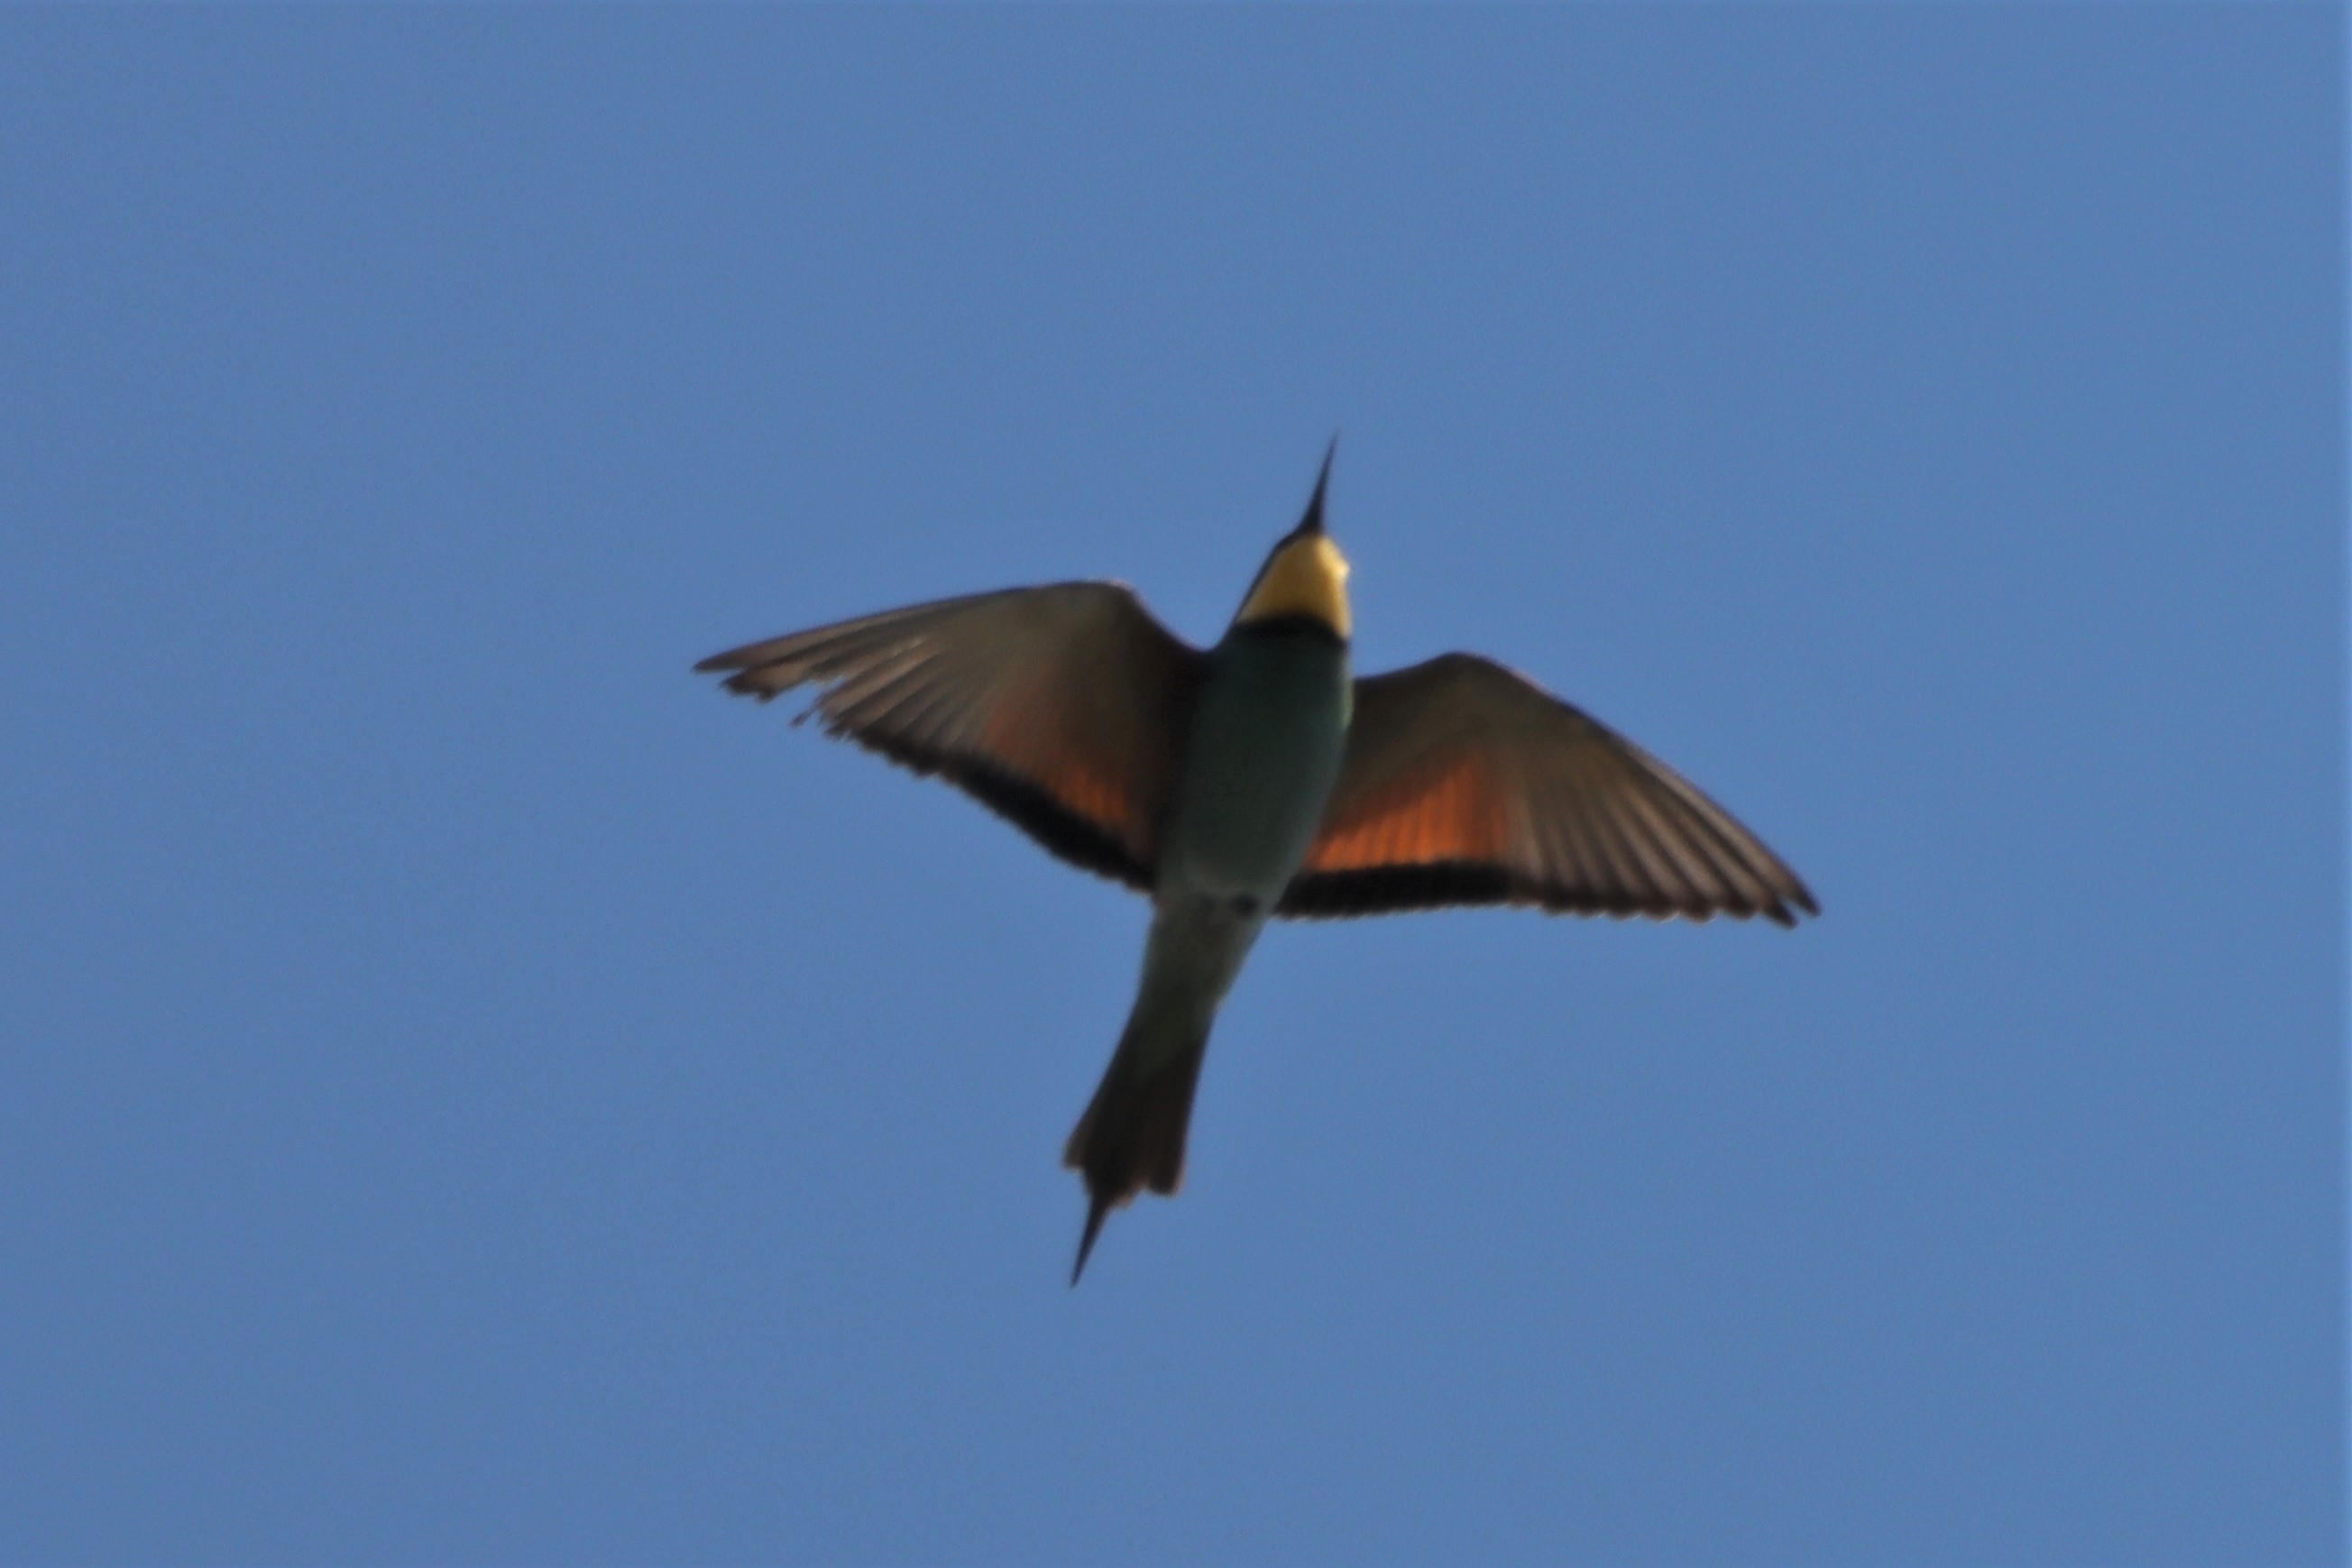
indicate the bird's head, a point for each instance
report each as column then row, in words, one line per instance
column 1305, row 577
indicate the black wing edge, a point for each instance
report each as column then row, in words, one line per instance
column 1450, row 884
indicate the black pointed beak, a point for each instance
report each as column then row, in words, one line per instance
column 1312, row 523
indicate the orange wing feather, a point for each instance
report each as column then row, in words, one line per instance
column 1456, row 814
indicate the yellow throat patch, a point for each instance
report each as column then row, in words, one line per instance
column 1308, row 576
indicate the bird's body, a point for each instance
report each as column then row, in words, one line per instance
column 1259, row 763
column 1259, row 778
column 1257, row 767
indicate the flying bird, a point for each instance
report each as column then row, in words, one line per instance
column 1258, row 779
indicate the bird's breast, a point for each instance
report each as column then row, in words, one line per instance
column 1264, row 747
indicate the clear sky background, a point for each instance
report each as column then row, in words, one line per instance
column 471, row 1093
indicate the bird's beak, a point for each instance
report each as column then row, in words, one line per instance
column 1312, row 523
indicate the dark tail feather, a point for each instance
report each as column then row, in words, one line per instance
column 1132, row 1135
column 1097, row 1210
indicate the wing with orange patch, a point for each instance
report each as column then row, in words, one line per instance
column 1058, row 707
column 1466, row 783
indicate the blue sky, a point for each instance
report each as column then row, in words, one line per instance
column 469, row 1093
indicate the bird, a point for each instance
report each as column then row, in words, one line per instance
column 1257, row 779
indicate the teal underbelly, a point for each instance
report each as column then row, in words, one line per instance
column 1264, row 747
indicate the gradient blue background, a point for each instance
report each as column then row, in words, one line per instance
column 470, row 1093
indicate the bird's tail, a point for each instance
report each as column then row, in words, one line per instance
column 1132, row 1134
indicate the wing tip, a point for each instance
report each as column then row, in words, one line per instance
column 747, row 684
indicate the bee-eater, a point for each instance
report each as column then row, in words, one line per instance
column 1254, row 779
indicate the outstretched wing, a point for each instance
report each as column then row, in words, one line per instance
column 1058, row 707
column 1466, row 783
